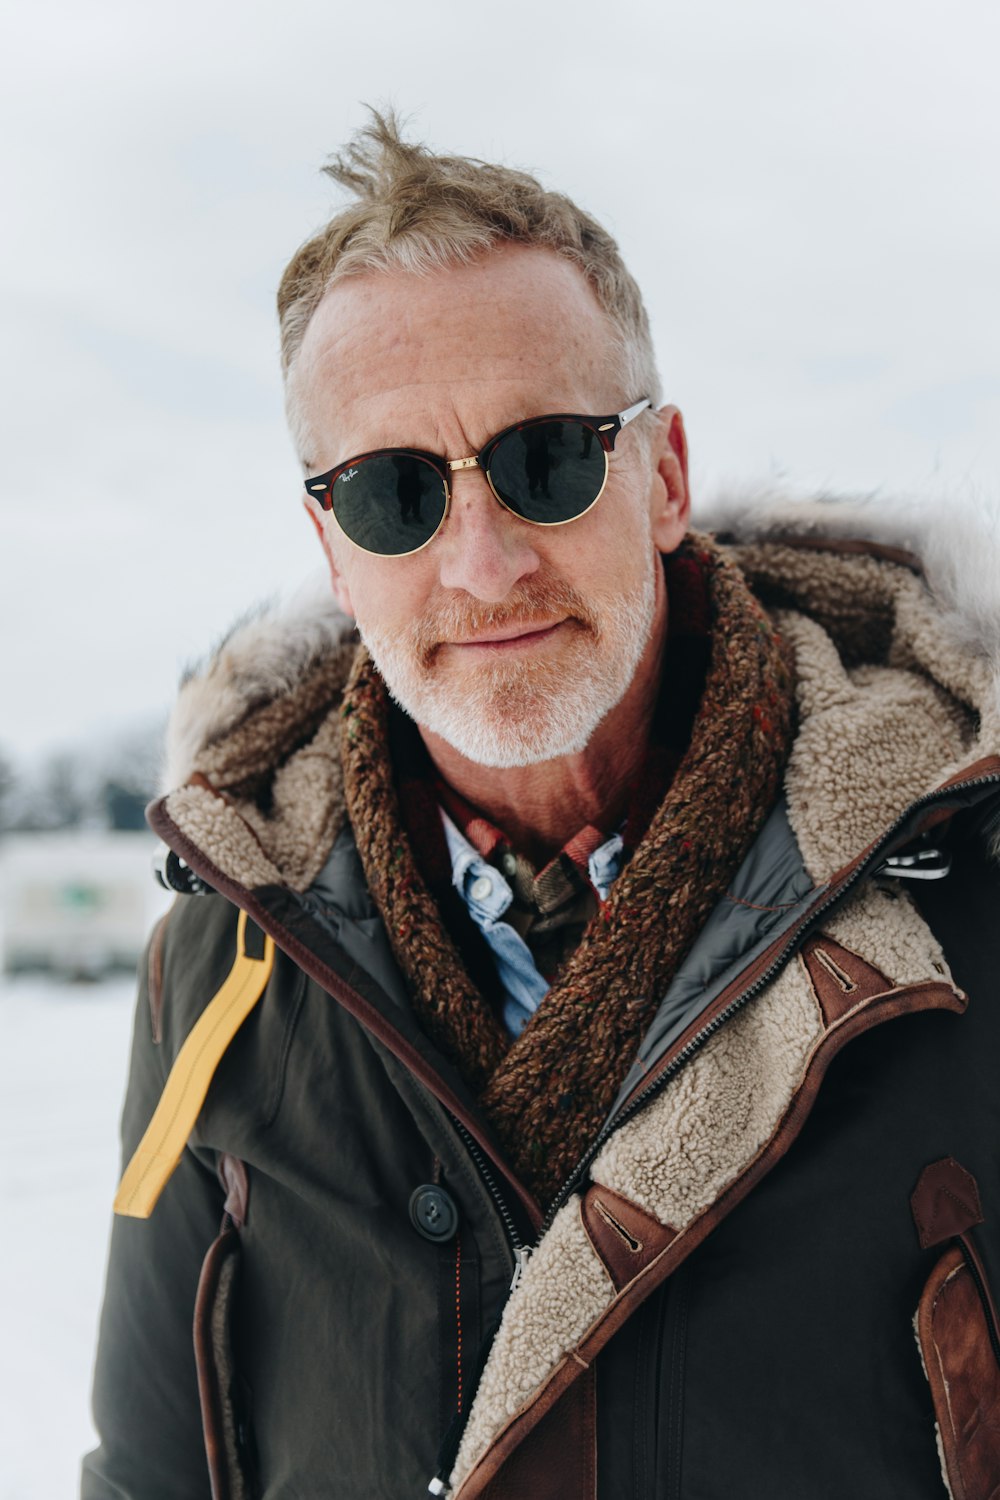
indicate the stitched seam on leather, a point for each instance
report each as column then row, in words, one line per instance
column 874, row 1000
column 973, row 1210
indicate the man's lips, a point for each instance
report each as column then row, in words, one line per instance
column 507, row 637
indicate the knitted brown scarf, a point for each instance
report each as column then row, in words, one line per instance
column 547, row 1093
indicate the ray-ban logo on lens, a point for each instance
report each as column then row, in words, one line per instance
column 349, row 474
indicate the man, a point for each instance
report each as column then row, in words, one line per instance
column 520, row 1019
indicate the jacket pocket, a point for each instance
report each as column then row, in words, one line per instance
column 959, row 1338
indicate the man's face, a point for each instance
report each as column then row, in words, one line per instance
column 509, row 641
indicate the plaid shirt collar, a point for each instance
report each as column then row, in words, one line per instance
column 564, row 874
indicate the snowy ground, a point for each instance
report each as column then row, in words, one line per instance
column 63, row 1050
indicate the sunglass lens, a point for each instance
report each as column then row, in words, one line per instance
column 549, row 471
column 390, row 503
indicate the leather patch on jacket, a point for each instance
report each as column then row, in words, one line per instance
column 945, row 1202
column 558, row 1458
column 625, row 1237
column 964, row 1377
column 840, row 978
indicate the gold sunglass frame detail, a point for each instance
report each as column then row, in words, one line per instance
column 614, row 424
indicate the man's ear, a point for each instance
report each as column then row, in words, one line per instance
column 671, row 495
column 341, row 592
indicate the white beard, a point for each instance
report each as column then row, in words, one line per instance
column 521, row 712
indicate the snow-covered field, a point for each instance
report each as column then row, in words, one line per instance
column 63, row 1052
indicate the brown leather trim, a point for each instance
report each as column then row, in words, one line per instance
column 355, row 1004
column 213, row 1362
column 233, row 1173
column 154, row 976
column 840, row 978
column 626, row 1238
column 974, row 1261
column 945, row 1202
column 964, row 1378
column 557, row 1460
column 908, row 1001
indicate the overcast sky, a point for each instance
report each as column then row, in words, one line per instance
column 808, row 194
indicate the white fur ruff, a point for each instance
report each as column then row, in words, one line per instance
column 266, row 653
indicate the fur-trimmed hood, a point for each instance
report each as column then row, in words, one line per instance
column 956, row 544
column 275, row 647
column 896, row 587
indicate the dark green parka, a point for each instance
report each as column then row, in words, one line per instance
column 722, row 1301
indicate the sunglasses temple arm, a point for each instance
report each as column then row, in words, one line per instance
column 626, row 416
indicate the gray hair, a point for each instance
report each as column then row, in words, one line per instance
column 417, row 211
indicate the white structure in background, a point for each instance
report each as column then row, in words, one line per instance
column 78, row 903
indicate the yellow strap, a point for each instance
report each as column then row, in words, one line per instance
column 160, row 1149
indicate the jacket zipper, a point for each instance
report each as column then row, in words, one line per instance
column 448, row 1451
column 519, row 1249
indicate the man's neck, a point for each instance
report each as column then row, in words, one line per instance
column 540, row 807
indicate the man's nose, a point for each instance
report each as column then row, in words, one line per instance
column 484, row 549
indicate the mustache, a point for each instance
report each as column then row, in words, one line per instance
column 529, row 602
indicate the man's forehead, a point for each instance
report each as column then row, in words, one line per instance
column 516, row 317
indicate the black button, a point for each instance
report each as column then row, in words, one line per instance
column 433, row 1213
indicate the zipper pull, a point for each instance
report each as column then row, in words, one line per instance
column 916, row 864
column 520, row 1261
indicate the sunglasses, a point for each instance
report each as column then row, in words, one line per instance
column 548, row 470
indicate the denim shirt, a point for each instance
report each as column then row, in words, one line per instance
column 487, row 896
